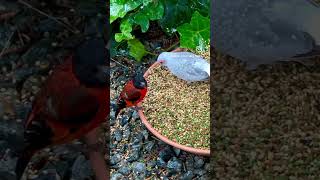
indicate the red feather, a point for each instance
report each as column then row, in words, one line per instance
column 63, row 110
column 130, row 96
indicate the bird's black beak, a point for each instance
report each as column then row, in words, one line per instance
column 142, row 84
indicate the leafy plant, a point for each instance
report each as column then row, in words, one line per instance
column 134, row 14
column 141, row 12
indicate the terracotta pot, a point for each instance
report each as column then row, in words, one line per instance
column 201, row 152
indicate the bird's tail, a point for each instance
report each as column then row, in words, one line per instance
column 121, row 104
column 23, row 161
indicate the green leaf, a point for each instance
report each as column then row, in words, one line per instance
column 142, row 20
column 195, row 35
column 136, row 49
column 176, row 12
column 119, row 8
column 153, row 11
column 126, row 29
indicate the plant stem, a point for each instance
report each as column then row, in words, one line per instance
column 153, row 54
column 172, row 46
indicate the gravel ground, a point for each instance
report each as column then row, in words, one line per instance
column 137, row 154
column 266, row 122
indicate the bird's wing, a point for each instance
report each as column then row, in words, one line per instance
column 75, row 106
column 196, row 72
column 132, row 95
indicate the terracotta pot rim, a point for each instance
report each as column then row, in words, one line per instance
column 202, row 152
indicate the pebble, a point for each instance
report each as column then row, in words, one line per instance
column 117, row 135
column 126, row 134
column 187, row 176
column 135, row 115
column 81, row 168
column 124, row 120
column 116, row 176
column 124, row 170
column 149, row 146
column 151, row 163
column 145, row 134
column 48, row 175
column 176, row 151
column 161, row 162
column 166, row 154
column 174, row 166
column 139, row 167
column 198, row 162
column 115, row 159
column 134, row 155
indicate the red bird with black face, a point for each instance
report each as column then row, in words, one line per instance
column 73, row 101
column 133, row 92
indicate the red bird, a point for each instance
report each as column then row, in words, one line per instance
column 133, row 92
column 73, row 102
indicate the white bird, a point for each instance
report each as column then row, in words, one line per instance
column 186, row 65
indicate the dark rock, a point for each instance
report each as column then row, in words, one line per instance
column 124, row 170
column 137, row 147
column 145, row 134
column 139, row 168
column 174, row 166
column 137, row 140
column 117, row 135
column 198, row 162
column 113, row 146
column 176, row 151
column 23, row 110
column 124, row 120
column 187, row 176
column 199, row 172
column 151, row 163
column 207, row 167
column 126, row 134
column 49, row 174
column 189, row 163
column 112, row 121
column 204, row 177
column 116, row 176
column 81, row 168
column 149, row 146
column 3, row 147
column 166, row 154
column 62, row 168
column 7, row 163
column 135, row 115
column 161, row 162
column 124, row 148
column 164, row 177
column 115, row 159
column 5, row 175
column 134, row 155
column 148, row 173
